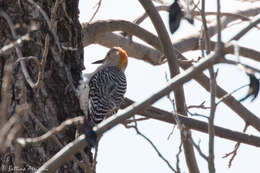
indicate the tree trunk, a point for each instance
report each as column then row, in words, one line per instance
column 55, row 100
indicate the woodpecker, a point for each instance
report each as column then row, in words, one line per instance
column 101, row 94
column 107, row 85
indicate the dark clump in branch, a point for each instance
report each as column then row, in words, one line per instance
column 175, row 16
column 253, row 87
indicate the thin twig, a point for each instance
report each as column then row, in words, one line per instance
column 234, row 152
column 200, row 106
column 197, row 115
column 50, row 23
column 154, row 147
column 174, row 110
column 242, row 66
column 64, row 7
column 242, row 32
column 10, row 123
column 95, row 156
column 34, row 58
column 94, row 14
column 197, row 146
column 7, row 48
column 229, row 94
column 17, row 49
column 136, row 120
column 171, row 133
column 45, row 16
column 50, row 133
column 56, row 140
column 178, row 158
column 141, row 18
column 46, row 46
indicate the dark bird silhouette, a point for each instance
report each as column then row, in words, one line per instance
column 253, row 87
column 175, row 15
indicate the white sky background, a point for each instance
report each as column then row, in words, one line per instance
column 122, row 150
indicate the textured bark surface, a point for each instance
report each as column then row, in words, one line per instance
column 54, row 101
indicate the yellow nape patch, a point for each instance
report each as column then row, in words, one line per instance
column 123, row 58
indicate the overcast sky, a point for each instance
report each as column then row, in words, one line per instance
column 122, row 150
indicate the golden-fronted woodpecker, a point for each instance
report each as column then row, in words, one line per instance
column 101, row 94
column 107, row 85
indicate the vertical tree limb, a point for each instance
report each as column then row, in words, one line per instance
column 211, row 164
column 168, row 50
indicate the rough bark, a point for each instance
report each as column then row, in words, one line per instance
column 54, row 101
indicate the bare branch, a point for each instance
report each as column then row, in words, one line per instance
column 47, row 41
column 191, row 42
column 154, row 147
column 11, row 127
column 94, row 14
column 73, row 147
column 153, row 56
column 194, row 13
column 112, row 121
column 197, row 146
column 245, row 66
column 46, row 46
column 7, row 48
column 202, row 79
column 229, row 94
column 56, row 140
column 136, row 120
column 158, row 114
column 91, row 31
column 17, row 161
column 88, row 168
column 46, row 18
column 211, row 120
column 171, row 56
column 6, row 96
column 80, row 142
column 218, row 23
column 178, row 159
column 200, row 106
column 146, row 53
column 41, row 11
column 18, row 51
column 211, row 164
column 230, row 101
column 95, row 157
column 234, row 152
column 63, row 155
column 241, row 33
column 50, row 133
column 244, row 51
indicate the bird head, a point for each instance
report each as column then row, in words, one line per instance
column 115, row 57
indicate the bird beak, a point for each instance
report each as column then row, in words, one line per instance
column 98, row 61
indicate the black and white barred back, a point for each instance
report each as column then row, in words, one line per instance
column 106, row 92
